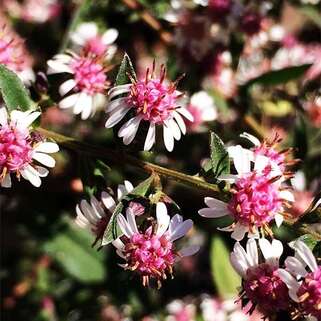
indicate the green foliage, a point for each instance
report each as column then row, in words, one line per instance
column 14, row 93
column 71, row 250
column 225, row 278
column 142, row 188
column 126, row 67
column 219, row 156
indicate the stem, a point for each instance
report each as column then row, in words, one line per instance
column 116, row 156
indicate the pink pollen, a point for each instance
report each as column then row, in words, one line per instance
column 309, row 294
column 153, row 99
column 150, row 255
column 89, row 75
column 15, row 149
column 264, row 288
column 256, row 200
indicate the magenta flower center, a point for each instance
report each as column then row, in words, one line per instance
column 255, row 200
column 309, row 294
column 220, row 7
column 15, row 149
column 96, row 46
column 264, row 288
column 150, row 255
column 153, row 99
column 89, row 75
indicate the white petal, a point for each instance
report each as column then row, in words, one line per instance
column 28, row 119
column 56, row 67
column 277, row 248
column 88, row 107
column 181, row 230
column 168, row 138
column 110, row 36
column 291, row 283
column 162, row 218
column 175, row 221
column 66, row 87
column 69, row 101
column 122, row 223
column 6, row 181
column 252, row 252
column 239, row 266
column 212, row 212
column 99, row 212
column 129, row 129
column 183, row 111
column 295, row 267
column 180, row 122
column 239, row 232
column 87, row 30
column 88, row 212
column 116, row 117
column 42, row 171
column 287, row 195
column 108, row 201
column 150, row 138
column 44, row 159
column 131, row 220
column 230, row 178
column 3, row 116
column 118, row 244
column 241, row 160
column 188, row 251
column 80, row 103
column 47, row 147
column 121, row 191
column 119, row 90
column 128, row 186
column 304, row 253
column 174, row 128
column 116, row 104
column 278, row 219
column 30, row 174
column 261, row 162
column 251, row 138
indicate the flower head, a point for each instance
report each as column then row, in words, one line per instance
column 87, row 37
column 151, row 252
column 96, row 215
column 88, row 83
column 152, row 100
column 303, row 279
column 257, row 196
column 21, row 148
column 261, row 282
column 14, row 55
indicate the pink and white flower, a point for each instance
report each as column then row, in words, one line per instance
column 21, row 148
column 203, row 109
column 302, row 276
column 152, row 100
column 87, row 37
column 14, row 55
column 86, row 89
column 258, row 197
column 95, row 215
column 152, row 252
column 261, row 282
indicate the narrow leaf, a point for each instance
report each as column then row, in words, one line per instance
column 219, row 156
column 126, row 67
column 225, row 278
column 14, row 93
column 143, row 187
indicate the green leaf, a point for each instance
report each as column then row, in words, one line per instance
column 143, row 187
column 14, row 93
column 277, row 77
column 226, row 280
column 126, row 67
column 312, row 14
column 113, row 231
column 219, row 156
column 72, row 250
column 309, row 240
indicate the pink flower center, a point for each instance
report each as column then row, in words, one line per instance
column 95, row 46
column 264, row 288
column 255, row 200
column 89, row 75
column 150, row 255
column 272, row 154
column 309, row 294
column 153, row 99
column 15, row 149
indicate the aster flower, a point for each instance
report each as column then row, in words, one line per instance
column 87, row 37
column 152, row 252
column 21, row 148
column 96, row 215
column 14, row 55
column 261, row 282
column 302, row 276
column 257, row 197
column 87, row 86
column 152, row 100
column 203, row 109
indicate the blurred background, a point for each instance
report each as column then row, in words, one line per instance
column 249, row 66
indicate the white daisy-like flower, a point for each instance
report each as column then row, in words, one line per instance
column 152, row 100
column 21, row 148
column 257, row 197
column 85, row 90
column 302, row 276
column 203, row 109
column 261, row 282
column 95, row 215
column 87, row 37
column 151, row 252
